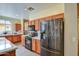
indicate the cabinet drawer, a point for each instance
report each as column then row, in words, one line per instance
column 36, row 45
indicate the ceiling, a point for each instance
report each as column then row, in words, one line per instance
column 19, row 10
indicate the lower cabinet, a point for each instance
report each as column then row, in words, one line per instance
column 10, row 53
column 19, row 38
column 9, row 37
column 36, row 45
column 14, row 38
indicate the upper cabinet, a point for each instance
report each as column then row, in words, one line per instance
column 37, row 22
column 18, row 27
column 29, row 22
column 33, row 22
column 37, row 25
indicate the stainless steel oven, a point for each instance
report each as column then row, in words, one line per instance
column 28, row 42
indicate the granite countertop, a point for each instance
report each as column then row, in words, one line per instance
column 9, row 34
column 6, row 45
column 36, row 37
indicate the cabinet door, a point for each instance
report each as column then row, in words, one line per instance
column 10, row 38
column 33, row 45
column 19, row 38
column 38, row 46
column 30, row 23
column 18, row 27
column 37, row 24
column 33, row 22
column 6, row 54
column 14, row 38
column 11, row 53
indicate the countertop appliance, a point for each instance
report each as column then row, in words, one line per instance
column 52, row 37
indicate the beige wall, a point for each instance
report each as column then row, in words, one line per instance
column 51, row 10
column 70, row 41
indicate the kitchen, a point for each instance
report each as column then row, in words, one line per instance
column 31, row 34
column 10, row 30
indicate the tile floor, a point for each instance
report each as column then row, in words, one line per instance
column 22, row 51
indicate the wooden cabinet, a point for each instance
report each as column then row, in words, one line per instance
column 14, row 38
column 37, row 25
column 19, row 38
column 33, row 44
column 18, row 27
column 33, row 22
column 10, row 38
column 36, row 45
column 29, row 22
column 10, row 53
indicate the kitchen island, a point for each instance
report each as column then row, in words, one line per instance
column 7, row 48
column 14, row 38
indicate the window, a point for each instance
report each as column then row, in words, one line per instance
column 5, row 26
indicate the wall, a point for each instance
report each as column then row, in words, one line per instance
column 70, row 40
column 13, row 21
column 78, row 24
column 52, row 10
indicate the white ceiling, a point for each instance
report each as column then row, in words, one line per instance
column 16, row 10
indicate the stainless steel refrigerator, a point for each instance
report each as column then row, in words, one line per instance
column 52, row 37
